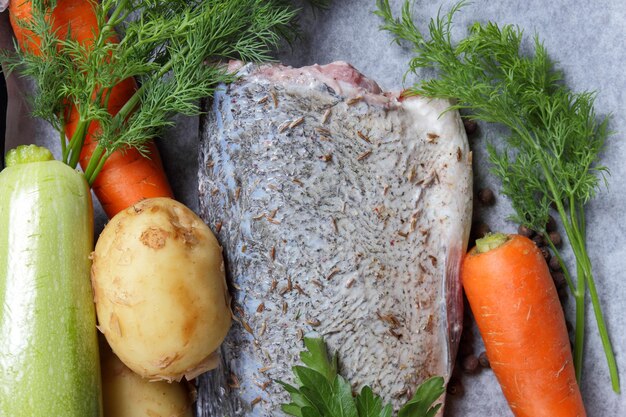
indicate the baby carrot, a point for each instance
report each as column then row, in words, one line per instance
column 518, row 313
column 126, row 177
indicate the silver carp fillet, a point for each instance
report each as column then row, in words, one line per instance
column 343, row 212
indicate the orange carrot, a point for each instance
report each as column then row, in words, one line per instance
column 520, row 318
column 126, row 177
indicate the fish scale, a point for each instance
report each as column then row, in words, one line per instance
column 343, row 212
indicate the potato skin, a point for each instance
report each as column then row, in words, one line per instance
column 126, row 394
column 160, row 290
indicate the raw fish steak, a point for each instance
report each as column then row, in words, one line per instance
column 343, row 211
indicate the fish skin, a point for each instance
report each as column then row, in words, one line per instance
column 349, row 223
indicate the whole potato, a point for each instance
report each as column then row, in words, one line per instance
column 126, row 394
column 160, row 290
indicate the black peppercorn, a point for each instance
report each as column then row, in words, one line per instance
column 555, row 265
column 470, row 364
column 556, row 240
column 484, row 360
column 486, row 197
column 525, row 231
column 551, row 225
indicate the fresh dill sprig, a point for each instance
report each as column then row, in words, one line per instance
column 322, row 392
column 551, row 156
column 176, row 49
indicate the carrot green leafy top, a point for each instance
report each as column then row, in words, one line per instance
column 555, row 137
column 176, row 49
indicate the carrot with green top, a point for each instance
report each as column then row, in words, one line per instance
column 128, row 176
column 520, row 318
column 551, row 160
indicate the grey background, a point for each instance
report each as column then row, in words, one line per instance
column 587, row 38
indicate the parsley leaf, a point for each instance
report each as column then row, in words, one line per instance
column 322, row 392
column 369, row 405
column 422, row 402
column 316, row 358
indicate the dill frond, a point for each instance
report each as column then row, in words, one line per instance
column 551, row 155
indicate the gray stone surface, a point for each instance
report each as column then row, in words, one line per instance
column 587, row 38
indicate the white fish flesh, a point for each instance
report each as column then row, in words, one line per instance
column 343, row 211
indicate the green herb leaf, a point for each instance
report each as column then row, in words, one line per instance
column 368, row 405
column 342, row 403
column 321, row 392
column 551, row 155
column 387, row 411
column 298, row 400
column 315, row 388
column 316, row 357
column 310, row 412
column 292, row 409
column 421, row 405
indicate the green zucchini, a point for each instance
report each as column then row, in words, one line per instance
column 49, row 362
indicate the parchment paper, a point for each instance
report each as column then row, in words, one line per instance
column 587, row 38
